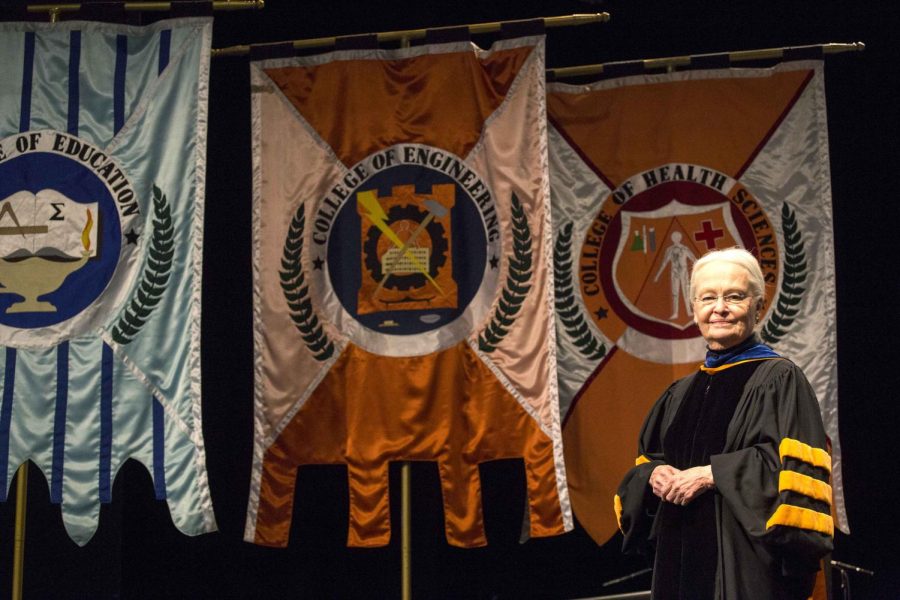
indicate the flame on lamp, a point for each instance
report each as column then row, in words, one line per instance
column 86, row 232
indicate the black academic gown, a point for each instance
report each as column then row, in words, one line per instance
column 771, row 501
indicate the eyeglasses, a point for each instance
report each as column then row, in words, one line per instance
column 732, row 299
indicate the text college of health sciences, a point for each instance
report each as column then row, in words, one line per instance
column 402, row 238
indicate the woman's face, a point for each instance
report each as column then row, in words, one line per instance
column 721, row 324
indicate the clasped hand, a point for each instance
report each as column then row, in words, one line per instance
column 680, row 487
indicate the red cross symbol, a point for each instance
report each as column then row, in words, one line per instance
column 709, row 235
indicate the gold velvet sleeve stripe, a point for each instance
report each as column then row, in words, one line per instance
column 789, row 515
column 617, row 506
column 641, row 460
column 797, row 449
column 804, row 484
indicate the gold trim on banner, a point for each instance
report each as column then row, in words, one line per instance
column 673, row 62
column 413, row 34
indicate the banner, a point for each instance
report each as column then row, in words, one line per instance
column 648, row 174
column 402, row 280
column 102, row 170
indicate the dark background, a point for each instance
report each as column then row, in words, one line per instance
column 137, row 552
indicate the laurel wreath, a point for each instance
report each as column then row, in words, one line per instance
column 155, row 275
column 795, row 269
column 296, row 292
column 517, row 282
column 570, row 314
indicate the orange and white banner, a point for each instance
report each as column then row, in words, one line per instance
column 403, row 285
column 648, row 174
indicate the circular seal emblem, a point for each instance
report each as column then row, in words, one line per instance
column 405, row 251
column 68, row 217
column 637, row 254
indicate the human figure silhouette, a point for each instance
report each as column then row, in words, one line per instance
column 680, row 259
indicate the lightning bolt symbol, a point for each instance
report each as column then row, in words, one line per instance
column 378, row 217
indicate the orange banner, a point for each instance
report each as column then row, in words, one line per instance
column 648, row 174
column 403, row 287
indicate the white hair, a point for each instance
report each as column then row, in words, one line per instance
column 736, row 256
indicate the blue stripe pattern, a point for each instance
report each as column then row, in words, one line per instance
column 106, row 424
column 159, row 465
column 74, row 64
column 59, row 422
column 27, row 78
column 62, row 351
column 9, row 375
column 165, row 42
column 119, row 83
column 9, row 380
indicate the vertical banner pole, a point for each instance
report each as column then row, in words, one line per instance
column 405, row 525
column 405, row 512
column 19, row 539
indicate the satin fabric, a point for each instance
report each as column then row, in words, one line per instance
column 447, row 408
column 765, row 130
column 406, row 99
column 316, row 121
column 82, row 403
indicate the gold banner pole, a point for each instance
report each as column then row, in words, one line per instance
column 413, row 34
column 672, row 62
column 19, row 536
column 405, row 533
column 54, row 10
column 405, row 501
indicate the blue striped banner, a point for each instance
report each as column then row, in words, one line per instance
column 75, row 405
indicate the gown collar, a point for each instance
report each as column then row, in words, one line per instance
column 749, row 349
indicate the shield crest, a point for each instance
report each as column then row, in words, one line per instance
column 655, row 253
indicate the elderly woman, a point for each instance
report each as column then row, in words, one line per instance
column 731, row 481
